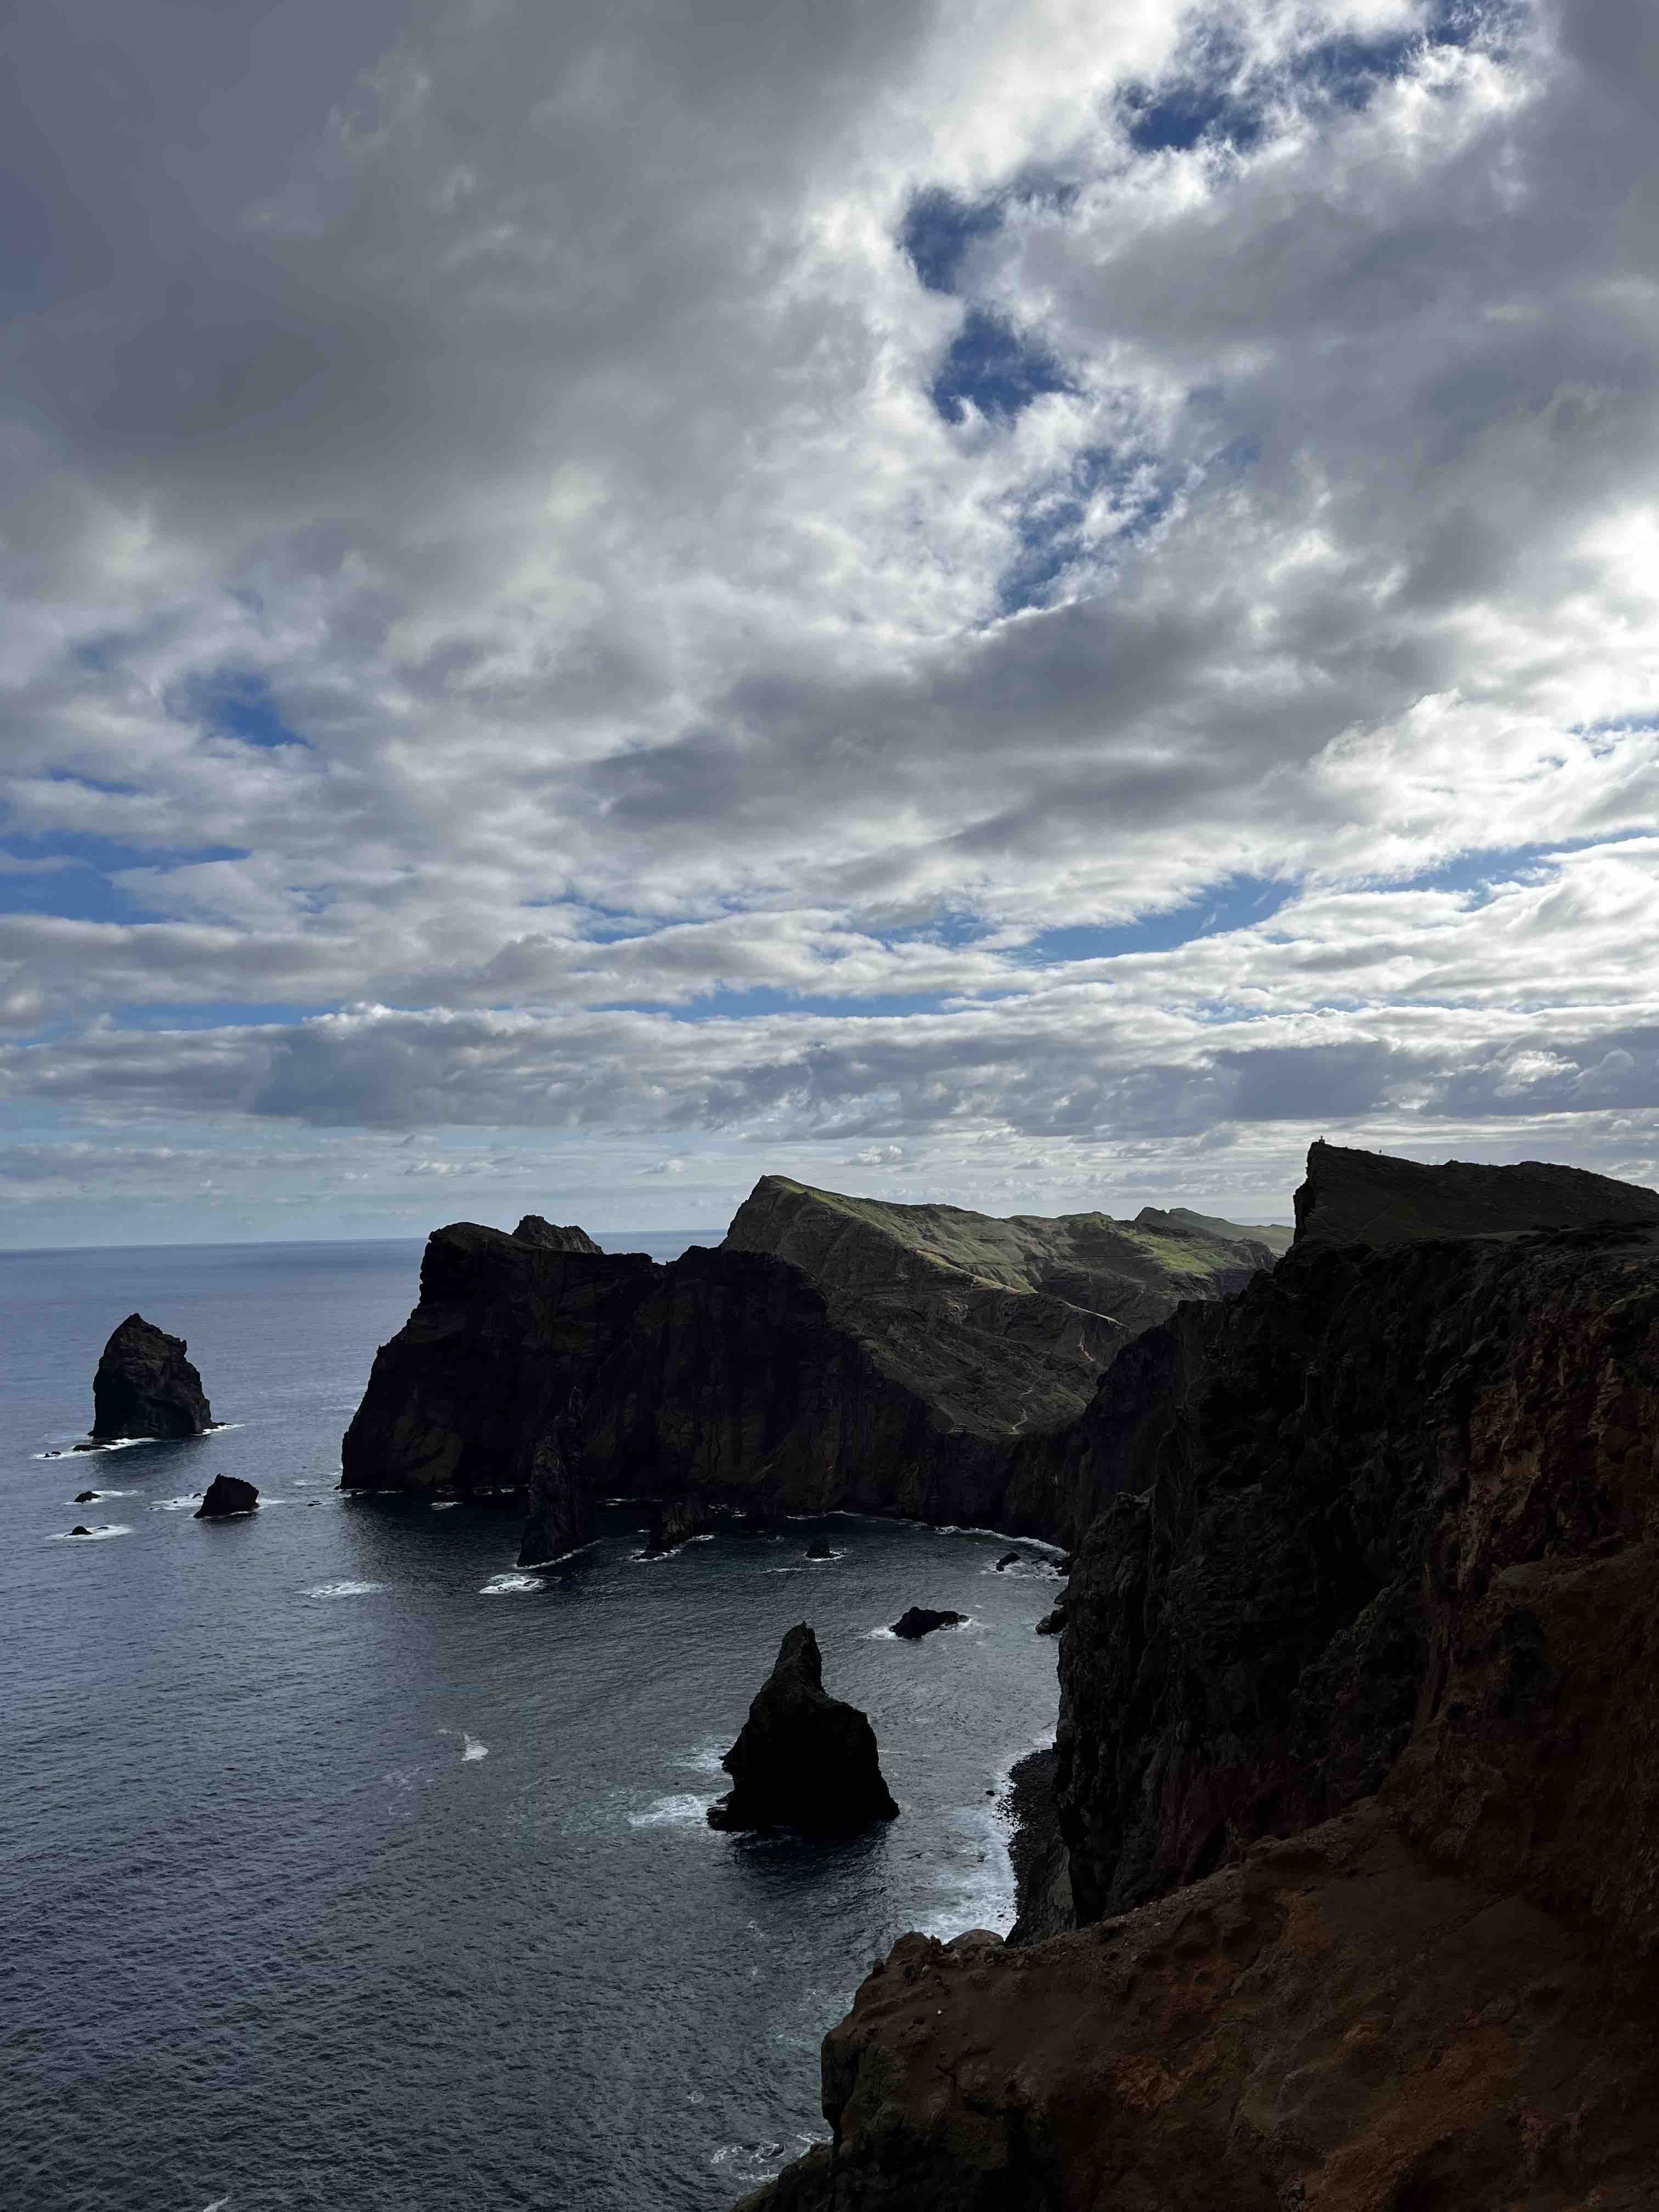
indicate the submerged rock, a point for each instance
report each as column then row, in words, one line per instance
column 1011, row 1559
column 227, row 1494
column 803, row 1760
column 918, row 1621
column 145, row 1387
column 86, row 1497
column 533, row 1229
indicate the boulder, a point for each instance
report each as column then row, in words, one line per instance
column 1011, row 1559
column 1052, row 1623
column 533, row 1229
column 227, row 1494
column 803, row 1760
column 86, row 1497
column 145, row 1387
column 819, row 1548
column 918, row 1621
column 80, row 1529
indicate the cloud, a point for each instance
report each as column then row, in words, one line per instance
column 616, row 573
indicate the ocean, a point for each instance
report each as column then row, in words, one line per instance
column 344, row 1866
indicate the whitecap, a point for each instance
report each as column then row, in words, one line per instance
column 175, row 1504
column 345, row 1589
column 444, row 1504
column 879, row 1634
column 501, row 1585
column 705, row 1761
column 675, row 1812
column 471, row 1748
column 92, row 1535
column 979, row 1890
column 749, row 2161
column 99, row 1495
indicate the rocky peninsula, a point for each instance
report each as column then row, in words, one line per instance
column 833, row 1354
column 1356, row 1775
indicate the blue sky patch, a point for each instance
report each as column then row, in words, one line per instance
column 80, row 889
column 237, row 703
column 994, row 368
column 1239, row 903
column 938, row 230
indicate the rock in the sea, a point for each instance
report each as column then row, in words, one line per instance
column 819, row 1548
column 1052, row 1623
column 918, row 1621
column 533, row 1229
column 227, row 1494
column 803, row 1760
column 676, row 1520
column 1011, row 1559
column 558, row 1514
column 86, row 1497
column 145, row 1387
column 79, row 1529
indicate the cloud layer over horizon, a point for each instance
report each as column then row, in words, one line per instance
column 1030, row 604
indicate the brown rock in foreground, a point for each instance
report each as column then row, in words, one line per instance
column 803, row 1760
column 145, row 1387
column 1331, row 2025
column 1377, row 1571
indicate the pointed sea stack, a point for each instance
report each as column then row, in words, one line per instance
column 227, row 1494
column 145, row 1387
column 804, row 1758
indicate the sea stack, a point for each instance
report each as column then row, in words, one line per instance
column 227, row 1494
column 145, row 1387
column 804, row 1758
column 921, row 1620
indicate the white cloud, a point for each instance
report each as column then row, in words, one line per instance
column 489, row 584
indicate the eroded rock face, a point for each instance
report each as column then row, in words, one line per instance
column 1378, row 1575
column 227, row 1494
column 1330, row 2024
column 146, row 1386
column 803, row 1760
column 676, row 1520
column 533, row 1230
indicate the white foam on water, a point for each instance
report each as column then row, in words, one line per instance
column 444, row 1504
column 504, row 1584
column 879, row 1634
column 471, row 1748
column 705, row 1761
column 977, row 1882
column 1030, row 1543
column 345, row 1590
column 217, row 2205
column 175, row 1504
column 92, row 1535
column 750, row 2161
column 99, row 1495
column 682, row 1811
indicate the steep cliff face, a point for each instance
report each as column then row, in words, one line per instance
column 1377, row 1570
column 1002, row 1325
column 1367, row 1198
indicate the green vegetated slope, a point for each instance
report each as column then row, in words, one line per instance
column 1003, row 1326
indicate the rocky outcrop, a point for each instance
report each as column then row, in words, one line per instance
column 1037, row 1851
column 1003, row 1326
column 86, row 1497
column 920, row 1621
column 227, row 1494
column 145, row 1387
column 1332, row 2025
column 1277, row 1236
column 533, row 1229
column 1367, row 1198
column 558, row 1520
column 1358, row 1769
column 803, row 1760
column 676, row 1520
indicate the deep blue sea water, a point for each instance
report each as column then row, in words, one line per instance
column 342, row 1866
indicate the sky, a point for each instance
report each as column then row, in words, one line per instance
column 1032, row 604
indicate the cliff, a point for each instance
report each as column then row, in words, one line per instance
column 852, row 1366
column 1358, row 1765
column 1005, row 1326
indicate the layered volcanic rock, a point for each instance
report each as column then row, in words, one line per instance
column 803, row 1760
column 676, row 1520
column 145, row 1387
column 227, row 1494
column 533, row 1230
column 1377, row 1575
column 1366, row 1198
column 1002, row 1325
